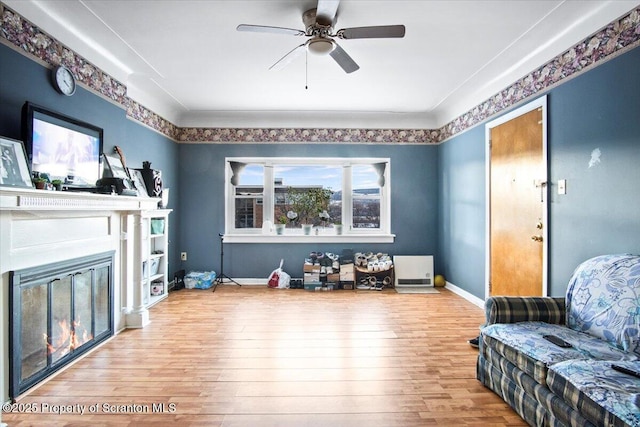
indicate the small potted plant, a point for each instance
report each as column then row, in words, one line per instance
column 338, row 228
column 282, row 223
column 40, row 183
column 57, row 184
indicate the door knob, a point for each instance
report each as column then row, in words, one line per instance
column 536, row 238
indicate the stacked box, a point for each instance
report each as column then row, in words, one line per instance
column 347, row 273
column 311, row 276
column 312, row 286
column 347, row 276
column 320, row 287
column 308, row 268
column 332, row 280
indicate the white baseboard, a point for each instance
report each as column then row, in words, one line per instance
column 464, row 294
column 246, row 281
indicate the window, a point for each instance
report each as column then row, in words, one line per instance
column 365, row 197
column 248, row 193
column 302, row 192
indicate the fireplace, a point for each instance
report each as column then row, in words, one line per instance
column 57, row 313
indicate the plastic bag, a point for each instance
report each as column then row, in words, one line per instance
column 278, row 278
column 199, row 279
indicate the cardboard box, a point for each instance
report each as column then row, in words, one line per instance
column 331, row 286
column 335, row 277
column 311, row 286
column 315, row 268
column 347, row 273
column 311, row 277
column 347, row 285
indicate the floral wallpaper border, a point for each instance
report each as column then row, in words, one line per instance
column 616, row 38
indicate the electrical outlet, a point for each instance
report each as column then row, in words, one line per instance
column 183, row 256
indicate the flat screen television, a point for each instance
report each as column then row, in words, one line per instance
column 62, row 147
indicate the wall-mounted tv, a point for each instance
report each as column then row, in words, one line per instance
column 62, row 147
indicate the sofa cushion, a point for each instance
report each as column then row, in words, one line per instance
column 603, row 300
column 523, row 345
column 602, row 395
column 508, row 309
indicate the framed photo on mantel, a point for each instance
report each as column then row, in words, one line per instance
column 14, row 171
column 138, row 182
column 113, row 165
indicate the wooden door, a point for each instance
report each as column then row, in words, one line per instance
column 517, row 212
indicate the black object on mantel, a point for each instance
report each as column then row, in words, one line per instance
column 152, row 179
column 121, row 186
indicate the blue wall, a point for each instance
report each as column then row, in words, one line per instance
column 414, row 184
column 438, row 192
column 25, row 80
column 461, row 195
column 599, row 214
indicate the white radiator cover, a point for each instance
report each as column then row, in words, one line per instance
column 413, row 271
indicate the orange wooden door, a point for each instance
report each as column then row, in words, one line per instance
column 517, row 206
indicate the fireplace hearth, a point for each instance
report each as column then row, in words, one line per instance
column 58, row 312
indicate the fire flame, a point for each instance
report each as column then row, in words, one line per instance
column 66, row 338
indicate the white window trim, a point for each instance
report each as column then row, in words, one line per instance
column 257, row 235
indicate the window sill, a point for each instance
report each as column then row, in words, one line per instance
column 299, row 238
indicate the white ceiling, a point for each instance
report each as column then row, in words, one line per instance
column 185, row 60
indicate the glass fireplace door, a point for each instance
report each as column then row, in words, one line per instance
column 58, row 311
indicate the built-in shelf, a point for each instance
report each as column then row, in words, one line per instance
column 155, row 244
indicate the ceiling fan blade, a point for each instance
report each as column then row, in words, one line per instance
column 289, row 57
column 326, row 12
column 343, row 59
column 268, row 29
column 376, row 32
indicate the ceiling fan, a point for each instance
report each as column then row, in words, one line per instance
column 319, row 23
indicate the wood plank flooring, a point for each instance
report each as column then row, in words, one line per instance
column 254, row 356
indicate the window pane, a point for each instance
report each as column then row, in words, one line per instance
column 366, row 197
column 335, row 207
column 248, row 196
column 292, row 180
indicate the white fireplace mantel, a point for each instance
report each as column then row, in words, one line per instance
column 26, row 199
column 40, row 227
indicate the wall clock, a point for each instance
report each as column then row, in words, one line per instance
column 63, row 80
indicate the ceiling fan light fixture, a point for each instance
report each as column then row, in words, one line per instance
column 320, row 46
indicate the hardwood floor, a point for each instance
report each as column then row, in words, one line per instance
column 254, row 356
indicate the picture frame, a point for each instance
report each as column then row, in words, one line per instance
column 138, row 183
column 115, row 167
column 14, row 171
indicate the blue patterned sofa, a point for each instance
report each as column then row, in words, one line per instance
column 548, row 385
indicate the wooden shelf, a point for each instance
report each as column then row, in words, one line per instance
column 153, row 244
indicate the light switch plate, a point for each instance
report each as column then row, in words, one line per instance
column 562, row 186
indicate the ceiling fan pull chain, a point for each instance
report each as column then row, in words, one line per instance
column 306, row 70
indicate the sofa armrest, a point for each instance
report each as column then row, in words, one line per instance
column 525, row 309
